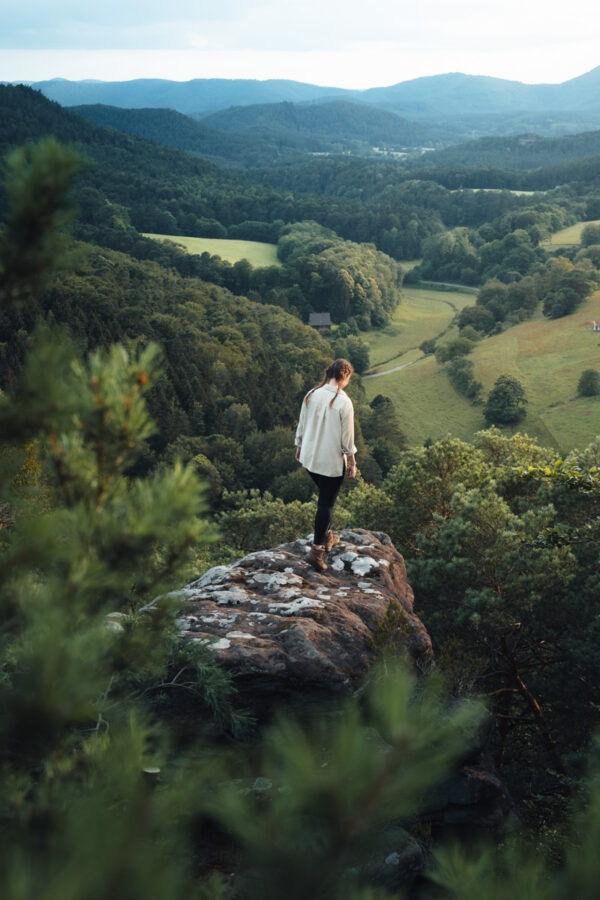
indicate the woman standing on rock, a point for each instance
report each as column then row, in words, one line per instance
column 325, row 447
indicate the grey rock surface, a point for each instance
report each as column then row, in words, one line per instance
column 271, row 615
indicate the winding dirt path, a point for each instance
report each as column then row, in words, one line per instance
column 395, row 369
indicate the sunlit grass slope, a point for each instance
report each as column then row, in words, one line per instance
column 546, row 355
column 568, row 237
column 258, row 254
column 420, row 316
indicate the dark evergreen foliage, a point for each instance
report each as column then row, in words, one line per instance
column 506, row 402
column 460, row 373
column 589, row 383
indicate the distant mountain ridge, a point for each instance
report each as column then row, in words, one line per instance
column 485, row 95
column 199, row 96
column 434, row 95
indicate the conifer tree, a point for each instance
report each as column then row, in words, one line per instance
column 83, row 549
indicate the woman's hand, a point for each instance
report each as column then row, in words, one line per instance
column 298, row 454
column 351, row 467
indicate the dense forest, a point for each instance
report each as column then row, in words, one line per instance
column 250, row 136
column 132, row 182
column 147, row 405
column 525, row 151
column 171, row 128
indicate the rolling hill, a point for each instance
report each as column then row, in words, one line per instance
column 200, row 95
column 267, row 133
column 323, row 126
column 464, row 105
column 173, row 129
column 524, row 151
column 546, row 355
column 456, row 93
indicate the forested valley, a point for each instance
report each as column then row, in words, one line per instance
column 148, row 401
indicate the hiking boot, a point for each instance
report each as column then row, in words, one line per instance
column 330, row 541
column 315, row 558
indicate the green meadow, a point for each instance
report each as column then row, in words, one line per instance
column 422, row 315
column 259, row 255
column 546, row 355
column 568, row 237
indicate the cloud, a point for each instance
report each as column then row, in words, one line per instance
column 311, row 25
column 381, row 42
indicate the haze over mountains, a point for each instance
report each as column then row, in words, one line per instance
column 259, row 134
column 464, row 106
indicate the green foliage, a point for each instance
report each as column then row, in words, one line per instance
column 566, row 286
column 513, row 302
column 510, row 611
column 256, row 520
column 354, row 349
column 428, row 346
column 341, row 277
column 515, row 870
column 450, row 256
column 590, row 235
column 422, row 484
column 589, row 383
column 193, row 196
column 37, row 181
column 216, row 348
column 481, row 319
column 454, row 349
column 506, row 402
column 316, row 820
column 460, row 373
column 80, row 655
column 504, row 567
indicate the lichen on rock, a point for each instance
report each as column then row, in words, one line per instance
column 297, row 628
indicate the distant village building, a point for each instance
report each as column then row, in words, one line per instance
column 320, row 321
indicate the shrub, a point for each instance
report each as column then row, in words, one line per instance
column 458, row 347
column 589, row 383
column 460, row 373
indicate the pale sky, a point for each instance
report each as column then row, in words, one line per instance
column 337, row 43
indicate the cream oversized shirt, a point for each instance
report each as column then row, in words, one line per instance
column 326, row 434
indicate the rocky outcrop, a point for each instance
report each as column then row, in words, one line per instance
column 286, row 630
column 271, row 617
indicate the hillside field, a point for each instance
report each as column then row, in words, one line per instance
column 568, row 237
column 259, row 255
column 546, row 355
column 422, row 315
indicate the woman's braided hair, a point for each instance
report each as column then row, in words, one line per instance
column 338, row 369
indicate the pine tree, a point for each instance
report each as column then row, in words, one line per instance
column 83, row 549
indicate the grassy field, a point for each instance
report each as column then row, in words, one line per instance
column 568, row 237
column 546, row 355
column 407, row 264
column 421, row 315
column 258, row 255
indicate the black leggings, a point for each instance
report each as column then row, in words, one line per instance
column 329, row 488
